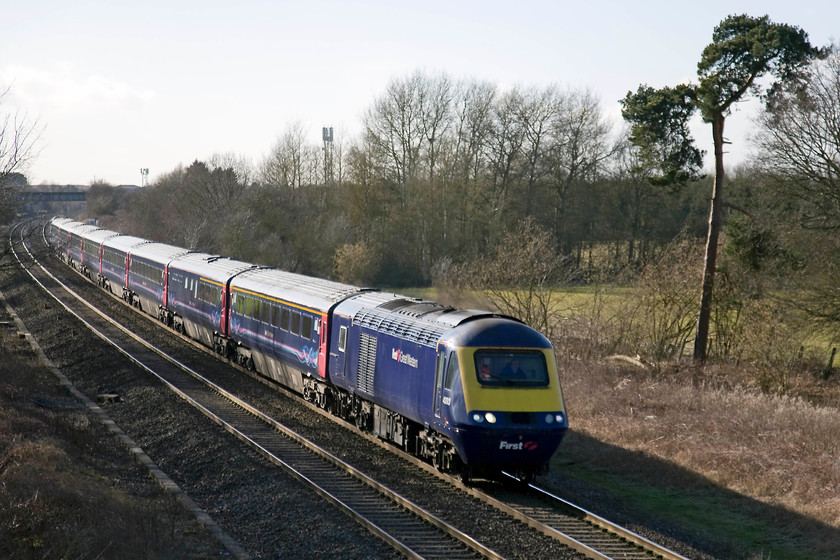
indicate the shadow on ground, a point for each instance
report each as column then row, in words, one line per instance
column 679, row 508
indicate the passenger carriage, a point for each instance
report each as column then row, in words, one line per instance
column 146, row 275
column 92, row 252
column 279, row 319
column 112, row 272
column 197, row 298
column 57, row 235
column 75, row 242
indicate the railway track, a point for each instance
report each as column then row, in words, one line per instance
column 405, row 526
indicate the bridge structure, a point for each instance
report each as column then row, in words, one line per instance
column 46, row 202
column 44, row 196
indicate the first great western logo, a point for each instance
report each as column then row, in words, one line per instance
column 404, row 358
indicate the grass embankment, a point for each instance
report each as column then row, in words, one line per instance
column 68, row 489
column 758, row 475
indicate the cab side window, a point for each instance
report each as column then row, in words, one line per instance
column 453, row 372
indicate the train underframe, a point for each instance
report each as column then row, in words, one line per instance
column 390, row 426
column 411, row 437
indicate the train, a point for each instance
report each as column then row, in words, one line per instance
column 473, row 392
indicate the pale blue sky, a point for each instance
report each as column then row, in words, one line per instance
column 126, row 85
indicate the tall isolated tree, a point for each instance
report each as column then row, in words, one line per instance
column 743, row 50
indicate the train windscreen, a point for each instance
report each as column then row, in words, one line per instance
column 511, row 368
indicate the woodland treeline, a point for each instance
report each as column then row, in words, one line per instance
column 443, row 170
column 464, row 185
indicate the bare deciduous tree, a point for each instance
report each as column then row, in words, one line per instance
column 798, row 141
column 292, row 162
column 18, row 147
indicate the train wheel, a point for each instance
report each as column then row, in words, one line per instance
column 437, row 460
column 409, row 443
column 524, row 477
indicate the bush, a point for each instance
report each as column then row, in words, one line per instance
column 356, row 263
column 661, row 313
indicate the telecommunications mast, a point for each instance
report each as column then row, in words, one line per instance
column 144, row 177
column 328, row 155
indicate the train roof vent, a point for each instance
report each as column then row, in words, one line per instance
column 422, row 332
column 396, row 304
column 415, row 307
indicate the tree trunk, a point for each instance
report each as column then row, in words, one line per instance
column 701, row 340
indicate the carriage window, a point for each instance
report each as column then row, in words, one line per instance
column 284, row 320
column 249, row 307
column 295, row 323
column 209, row 293
column 265, row 312
column 275, row 315
column 306, row 327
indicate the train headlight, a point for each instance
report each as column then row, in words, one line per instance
column 549, row 418
column 478, row 417
column 490, row 417
column 560, row 418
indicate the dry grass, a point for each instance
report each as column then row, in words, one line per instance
column 67, row 489
column 780, row 451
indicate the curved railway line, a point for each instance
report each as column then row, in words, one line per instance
column 509, row 521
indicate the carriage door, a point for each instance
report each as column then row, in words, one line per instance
column 338, row 347
column 323, row 325
column 440, row 369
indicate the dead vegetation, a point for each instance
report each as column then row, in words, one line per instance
column 706, row 435
column 68, row 489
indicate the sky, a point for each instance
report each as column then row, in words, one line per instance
column 120, row 86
